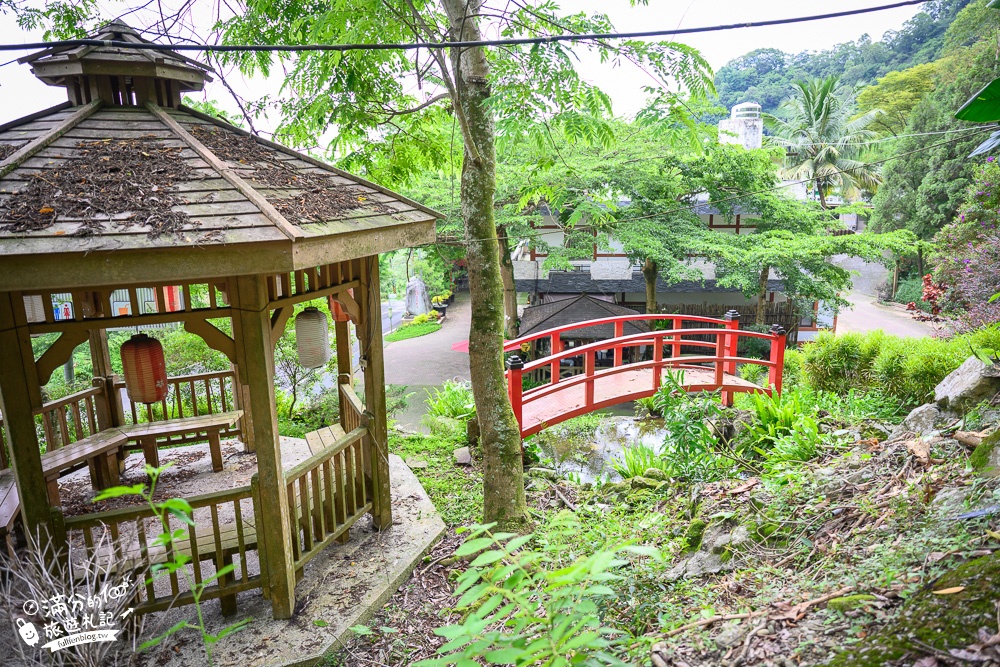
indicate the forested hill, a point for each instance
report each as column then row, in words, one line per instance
column 766, row 75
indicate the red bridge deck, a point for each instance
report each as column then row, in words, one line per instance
column 594, row 388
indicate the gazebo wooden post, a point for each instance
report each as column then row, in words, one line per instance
column 110, row 413
column 255, row 358
column 345, row 370
column 370, row 337
column 20, row 397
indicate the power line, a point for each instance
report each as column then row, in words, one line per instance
column 409, row 46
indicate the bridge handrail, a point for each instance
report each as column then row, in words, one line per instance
column 634, row 339
column 517, row 342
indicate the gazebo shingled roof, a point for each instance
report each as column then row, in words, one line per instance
column 247, row 205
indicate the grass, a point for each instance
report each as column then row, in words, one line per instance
column 412, row 331
column 456, row 492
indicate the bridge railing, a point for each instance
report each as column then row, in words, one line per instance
column 721, row 345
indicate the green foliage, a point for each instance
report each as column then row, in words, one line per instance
column 182, row 511
column 413, row 330
column 924, row 188
column 895, row 95
column 532, row 606
column 776, row 417
column 453, row 400
column 903, row 369
column 456, row 492
column 910, row 290
column 689, row 445
column 754, row 373
column 636, row 460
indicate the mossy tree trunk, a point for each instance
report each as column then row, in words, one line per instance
column 511, row 328
column 649, row 272
column 500, row 437
column 762, row 296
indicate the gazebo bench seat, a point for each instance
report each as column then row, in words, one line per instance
column 148, row 433
column 322, row 438
column 100, row 450
column 10, row 507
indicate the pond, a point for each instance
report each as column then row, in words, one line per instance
column 587, row 446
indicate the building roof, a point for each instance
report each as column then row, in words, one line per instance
column 106, row 187
column 580, row 282
column 578, row 309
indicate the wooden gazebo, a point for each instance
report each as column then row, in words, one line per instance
column 133, row 210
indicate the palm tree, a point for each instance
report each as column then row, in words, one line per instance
column 822, row 140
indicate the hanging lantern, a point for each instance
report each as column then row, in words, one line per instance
column 145, row 369
column 312, row 338
column 339, row 314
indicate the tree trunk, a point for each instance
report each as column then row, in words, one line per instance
column 762, row 296
column 503, row 480
column 822, row 199
column 649, row 271
column 511, row 328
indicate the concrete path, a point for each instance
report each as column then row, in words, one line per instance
column 426, row 362
column 866, row 313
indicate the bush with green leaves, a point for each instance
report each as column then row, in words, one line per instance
column 636, row 460
column 453, row 400
column 532, row 601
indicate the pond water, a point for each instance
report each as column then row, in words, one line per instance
column 587, row 446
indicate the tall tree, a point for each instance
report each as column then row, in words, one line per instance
column 364, row 99
column 824, row 143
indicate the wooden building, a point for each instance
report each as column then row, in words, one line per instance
column 123, row 192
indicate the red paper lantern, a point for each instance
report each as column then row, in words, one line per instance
column 145, row 369
column 337, row 310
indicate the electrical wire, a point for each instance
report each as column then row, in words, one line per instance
column 409, row 46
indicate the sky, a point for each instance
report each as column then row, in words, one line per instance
column 22, row 94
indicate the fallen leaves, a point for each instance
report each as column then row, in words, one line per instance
column 949, row 591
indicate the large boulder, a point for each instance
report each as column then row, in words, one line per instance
column 919, row 422
column 967, row 385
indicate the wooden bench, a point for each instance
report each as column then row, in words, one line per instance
column 323, row 438
column 211, row 425
column 10, row 508
column 99, row 450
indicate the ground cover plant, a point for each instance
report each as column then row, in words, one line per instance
column 412, row 331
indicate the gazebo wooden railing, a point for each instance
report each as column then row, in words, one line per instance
column 83, row 413
column 224, row 532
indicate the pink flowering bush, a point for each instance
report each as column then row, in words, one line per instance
column 968, row 258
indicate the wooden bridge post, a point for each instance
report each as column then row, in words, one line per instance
column 675, row 351
column 777, row 357
column 588, row 369
column 619, row 332
column 732, row 319
column 515, row 372
column 657, row 361
column 555, row 347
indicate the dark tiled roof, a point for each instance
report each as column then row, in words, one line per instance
column 579, row 309
column 580, row 282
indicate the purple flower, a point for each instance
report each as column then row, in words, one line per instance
column 990, row 159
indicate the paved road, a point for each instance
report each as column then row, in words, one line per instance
column 392, row 315
column 426, row 362
column 866, row 313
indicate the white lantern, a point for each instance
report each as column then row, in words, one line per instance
column 312, row 338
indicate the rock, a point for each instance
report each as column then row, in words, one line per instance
column 544, row 473
column 655, row 473
column 920, row 422
column 986, row 457
column 849, row 602
column 463, row 456
column 732, row 634
column 701, row 563
column 644, row 483
column 416, row 464
column 693, row 535
column 967, row 385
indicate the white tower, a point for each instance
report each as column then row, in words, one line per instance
column 744, row 126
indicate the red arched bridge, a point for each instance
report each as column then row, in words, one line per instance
column 569, row 382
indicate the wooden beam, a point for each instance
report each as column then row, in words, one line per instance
column 128, row 321
column 214, row 338
column 278, row 321
column 100, row 354
column 255, row 361
column 247, row 190
column 350, row 305
column 370, row 337
column 58, row 354
column 14, row 160
column 294, row 299
column 20, row 398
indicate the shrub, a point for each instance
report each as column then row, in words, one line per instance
column 911, row 290
column 636, row 460
column 754, row 373
column 453, row 400
column 754, row 348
